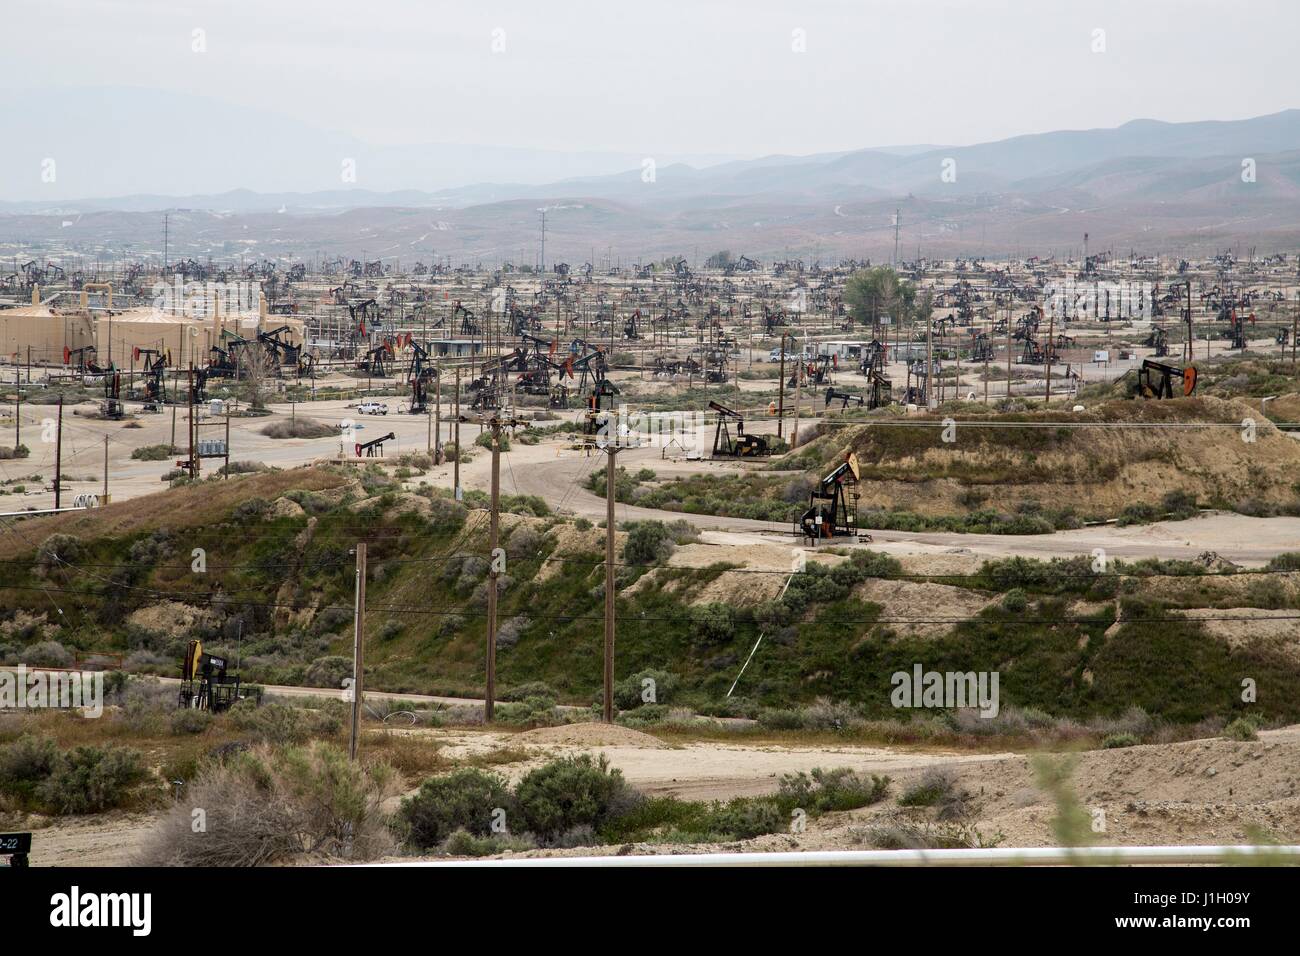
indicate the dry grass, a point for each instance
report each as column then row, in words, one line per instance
column 178, row 508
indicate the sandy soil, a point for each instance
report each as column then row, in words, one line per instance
column 1201, row 792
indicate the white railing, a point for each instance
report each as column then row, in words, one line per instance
column 997, row 856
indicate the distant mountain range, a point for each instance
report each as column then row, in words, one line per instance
column 1146, row 184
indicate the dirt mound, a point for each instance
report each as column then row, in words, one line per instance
column 921, row 601
column 1098, row 461
column 1252, row 627
column 590, row 735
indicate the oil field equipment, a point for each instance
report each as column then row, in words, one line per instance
column 1156, row 380
column 833, row 505
column 739, row 446
column 834, row 394
column 113, row 407
column 205, row 685
column 599, row 403
column 375, row 447
column 155, row 366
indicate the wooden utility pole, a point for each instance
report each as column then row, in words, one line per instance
column 780, row 393
column 1008, row 357
column 58, row 459
column 611, row 480
column 456, row 441
column 358, row 646
column 1295, row 327
column 104, row 497
column 495, row 563
column 437, row 420
column 1047, row 358
column 489, row 696
column 18, row 411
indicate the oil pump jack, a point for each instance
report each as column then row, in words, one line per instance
column 834, row 394
column 421, row 374
column 205, row 684
column 78, row 358
column 599, row 403
column 833, row 505
column 739, row 446
column 113, row 407
column 873, row 367
column 155, row 366
column 1156, row 380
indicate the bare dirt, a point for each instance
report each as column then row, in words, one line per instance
column 1199, row 792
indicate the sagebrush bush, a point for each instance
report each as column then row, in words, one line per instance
column 25, row 763
column 91, row 779
column 824, row 791
column 188, row 720
column 271, row 805
column 465, row 799
column 282, row 724
column 571, row 792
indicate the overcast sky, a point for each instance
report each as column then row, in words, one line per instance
column 677, row 76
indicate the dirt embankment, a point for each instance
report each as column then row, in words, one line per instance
column 1097, row 462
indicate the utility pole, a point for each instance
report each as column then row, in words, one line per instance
column 104, row 497
column 437, row 415
column 898, row 220
column 489, row 697
column 1047, row 357
column 780, row 394
column 1008, row 357
column 456, row 441
column 358, row 645
column 610, row 447
column 58, row 460
column 18, row 409
column 495, row 557
column 542, row 264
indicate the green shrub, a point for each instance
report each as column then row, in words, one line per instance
column 282, row 724
column 465, row 799
column 464, row 843
column 267, row 806
column 1243, row 728
column 155, row 452
column 190, row 721
column 648, row 543
column 1015, row 600
column 25, row 763
column 91, row 779
column 824, row 791
column 630, row 692
column 1113, row 741
column 934, row 787
column 571, row 792
column 713, row 623
column 534, row 688
column 747, row 817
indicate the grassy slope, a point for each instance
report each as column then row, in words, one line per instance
column 1051, row 654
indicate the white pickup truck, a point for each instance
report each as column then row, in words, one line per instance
column 372, row 408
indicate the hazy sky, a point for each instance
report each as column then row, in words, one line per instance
column 677, row 76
